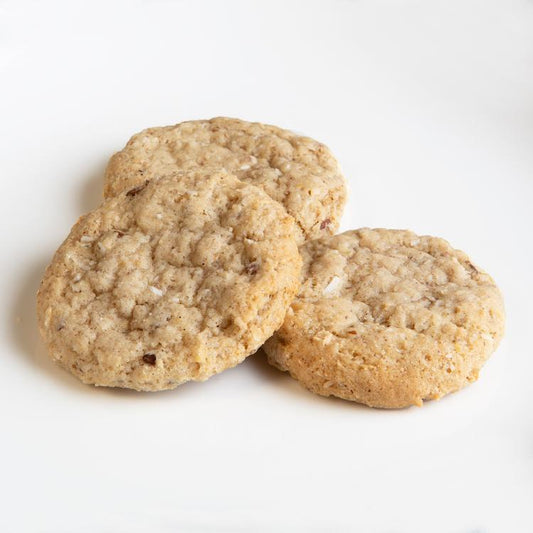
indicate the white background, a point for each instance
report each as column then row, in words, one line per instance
column 429, row 107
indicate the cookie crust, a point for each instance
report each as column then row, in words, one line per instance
column 171, row 281
column 388, row 319
column 296, row 171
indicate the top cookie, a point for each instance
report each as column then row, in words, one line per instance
column 388, row 319
column 169, row 282
column 297, row 171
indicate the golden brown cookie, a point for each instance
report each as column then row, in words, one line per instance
column 388, row 319
column 297, row 171
column 173, row 280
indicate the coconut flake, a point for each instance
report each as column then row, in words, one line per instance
column 156, row 291
column 334, row 286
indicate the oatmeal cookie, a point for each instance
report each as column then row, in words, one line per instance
column 388, row 319
column 297, row 171
column 170, row 281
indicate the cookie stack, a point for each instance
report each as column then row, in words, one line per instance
column 216, row 237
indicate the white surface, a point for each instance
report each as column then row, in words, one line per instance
column 428, row 106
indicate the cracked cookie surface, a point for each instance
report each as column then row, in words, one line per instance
column 169, row 282
column 296, row 171
column 388, row 319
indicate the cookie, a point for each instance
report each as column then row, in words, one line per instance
column 388, row 319
column 174, row 280
column 298, row 172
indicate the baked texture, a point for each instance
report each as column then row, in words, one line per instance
column 297, row 171
column 169, row 282
column 388, row 319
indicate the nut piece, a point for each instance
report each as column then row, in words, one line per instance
column 149, row 359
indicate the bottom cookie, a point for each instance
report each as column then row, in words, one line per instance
column 388, row 319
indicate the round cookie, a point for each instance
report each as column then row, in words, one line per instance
column 171, row 281
column 388, row 319
column 297, row 171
